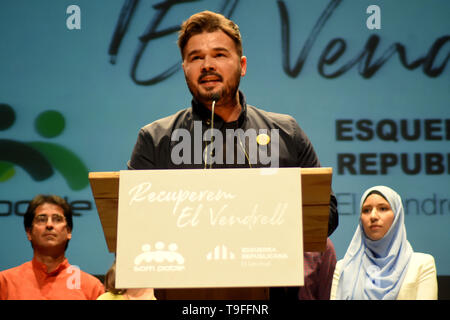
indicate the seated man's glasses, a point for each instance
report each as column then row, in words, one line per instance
column 43, row 218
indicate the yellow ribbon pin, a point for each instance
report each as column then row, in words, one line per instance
column 263, row 139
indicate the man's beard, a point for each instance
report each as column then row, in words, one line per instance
column 226, row 93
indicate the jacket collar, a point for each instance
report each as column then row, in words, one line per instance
column 205, row 114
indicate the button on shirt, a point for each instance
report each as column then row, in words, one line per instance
column 30, row 281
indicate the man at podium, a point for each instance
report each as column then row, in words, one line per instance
column 219, row 129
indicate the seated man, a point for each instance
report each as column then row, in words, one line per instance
column 48, row 225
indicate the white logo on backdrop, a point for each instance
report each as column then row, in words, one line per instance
column 220, row 252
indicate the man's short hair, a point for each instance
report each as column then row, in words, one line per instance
column 208, row 21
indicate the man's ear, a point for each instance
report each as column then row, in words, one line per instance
column 28, row 232
column 243, row 65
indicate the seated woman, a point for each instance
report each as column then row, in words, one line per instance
column 112, row 293
column 379, row 262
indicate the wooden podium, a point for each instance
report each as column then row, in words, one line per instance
column 316, row 190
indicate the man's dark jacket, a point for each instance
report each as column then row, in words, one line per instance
column 154, row 146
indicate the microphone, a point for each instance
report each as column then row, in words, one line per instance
column 214, row 98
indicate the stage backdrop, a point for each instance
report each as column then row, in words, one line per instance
column 368, row 81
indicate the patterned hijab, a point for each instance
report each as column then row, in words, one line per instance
column 374, row 270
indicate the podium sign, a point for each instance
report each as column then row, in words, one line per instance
column 209, row 228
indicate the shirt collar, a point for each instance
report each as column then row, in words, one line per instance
column 205, row 113
column 39, row 266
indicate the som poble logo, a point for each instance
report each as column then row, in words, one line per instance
column 160, row 259
column 40, row 159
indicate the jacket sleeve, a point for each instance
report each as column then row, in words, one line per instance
column 427, row 288
column 307, row 157
column 143, row 155
column 335, row 283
